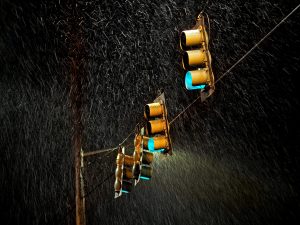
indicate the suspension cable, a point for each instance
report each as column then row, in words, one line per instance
column 258, row 43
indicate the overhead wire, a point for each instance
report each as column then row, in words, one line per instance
column 257, row 44
column 91, row 153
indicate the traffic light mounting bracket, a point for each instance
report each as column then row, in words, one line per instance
column 211, row 88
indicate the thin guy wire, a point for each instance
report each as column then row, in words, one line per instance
column 108, row 149
column 179, row 114
column 258, row 43
column 98, row 151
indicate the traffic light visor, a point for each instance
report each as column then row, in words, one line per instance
column 190, row 38
column 157, row 143
column 196, row 79
column 117, row 185
column 146, row 172
column 153, row 109
column 126, row 186
column 156, row 126
column 193, row 58
column 147, row 157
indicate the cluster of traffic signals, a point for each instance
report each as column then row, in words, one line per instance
column 151, row 138
column 154, row 135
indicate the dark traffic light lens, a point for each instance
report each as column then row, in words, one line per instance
column 147, row 111
column 127, row 186
column 146, row 172
column 147, row 157
column 183, row 40
column 185, row 60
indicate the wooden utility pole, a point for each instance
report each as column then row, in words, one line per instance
column 76, row 103
column 76, row 58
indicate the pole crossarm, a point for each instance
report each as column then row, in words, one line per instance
column 92, row 153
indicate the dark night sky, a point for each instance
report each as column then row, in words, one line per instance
column 236, row 156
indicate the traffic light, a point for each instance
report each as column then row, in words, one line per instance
column 157, row 137
column 124, row 173
column 152, row 136
column 142, row 159
column 196, row 60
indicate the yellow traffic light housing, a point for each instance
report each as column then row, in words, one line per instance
column 196, row 58
column 156, row 126
column 156, row 143
column 155, row 109
column 123, row 173
column 194, row 37
column 193, row 59
column 151, row 136
column 157, row 137
column 142, row 159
